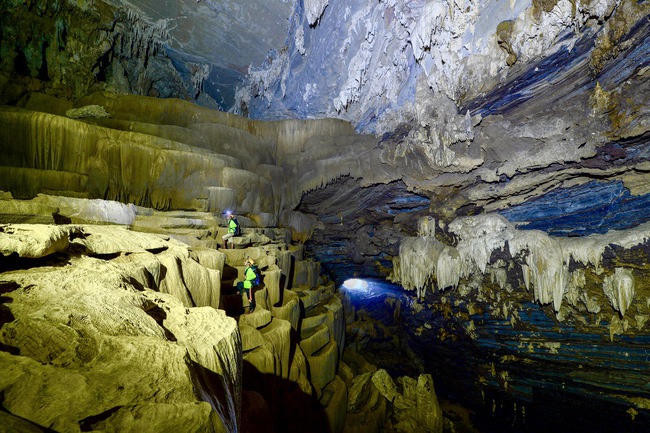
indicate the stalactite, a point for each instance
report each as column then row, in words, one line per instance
column 418, row 257
column 448, row 268
column 619, row 289
column 479, row 236
column 199, row 73
column 544, row 262
column 314, row 10
column 427, row 226
column 137, row 40
column 617, row 326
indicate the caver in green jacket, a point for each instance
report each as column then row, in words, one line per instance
column 249, row 277
column 232, row 226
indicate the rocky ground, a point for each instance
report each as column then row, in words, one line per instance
column 139, row 328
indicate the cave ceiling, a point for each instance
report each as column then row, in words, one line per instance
column 535, row 110
column 222, row 37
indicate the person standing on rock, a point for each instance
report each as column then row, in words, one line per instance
column 250, row 276
column 233, row 230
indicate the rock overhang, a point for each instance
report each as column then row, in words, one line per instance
column 572, row 113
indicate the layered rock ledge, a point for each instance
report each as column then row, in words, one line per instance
column 89, row 345
column 105, row 327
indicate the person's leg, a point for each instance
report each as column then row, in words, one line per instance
column 251, row 299
column 241, row 289
column 225, row 238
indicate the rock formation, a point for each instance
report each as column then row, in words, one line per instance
column 489, row 157
column 555, row 271
column 97, row 333
column 106, row 327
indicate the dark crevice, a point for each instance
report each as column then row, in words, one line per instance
column 87, row 424
column 105, row 256
column 8, row 286
column 15, row 262
column 159, row 315
column 21, row 66
column 61, row 219
column 156, row 250
column 6, row 316
column 43, row 73
column 100, row 69
column 136, row 284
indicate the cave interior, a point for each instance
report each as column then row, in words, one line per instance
column 452, row 191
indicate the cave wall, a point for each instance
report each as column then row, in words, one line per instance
column 69, row 49
column 169, row 154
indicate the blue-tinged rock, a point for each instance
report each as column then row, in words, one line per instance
column 594, row 207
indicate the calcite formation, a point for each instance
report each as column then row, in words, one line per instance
column 166, row 155
column 116, row 327
column 548, row 268
column 87, row 345
column 583, row 289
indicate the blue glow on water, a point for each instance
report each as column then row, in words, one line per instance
column 362, row 290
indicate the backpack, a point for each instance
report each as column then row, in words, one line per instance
column 258, row 275
column 237, row 227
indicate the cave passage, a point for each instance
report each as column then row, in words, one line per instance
column 510, row 379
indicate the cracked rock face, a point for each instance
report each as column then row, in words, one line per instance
column 110, row 354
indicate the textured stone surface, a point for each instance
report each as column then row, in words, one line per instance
column 124, row 297
column 20, row 212
column 534, row 111
column 33, row 241
column 92, row 342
